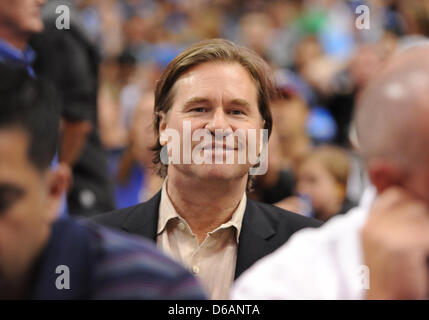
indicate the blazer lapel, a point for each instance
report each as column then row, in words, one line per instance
column 143, row 220
column 253, row 241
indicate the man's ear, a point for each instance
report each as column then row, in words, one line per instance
column 162, row 126
column 59, row 181
column 384, row 174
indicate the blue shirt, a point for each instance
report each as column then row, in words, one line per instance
column 127, row 193
column 107, row 264
column 16, row 58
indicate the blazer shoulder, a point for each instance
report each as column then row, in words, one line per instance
column 115, row 218
column 265, row 228
column 140, row 219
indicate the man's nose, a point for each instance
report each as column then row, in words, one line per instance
column 218, row 121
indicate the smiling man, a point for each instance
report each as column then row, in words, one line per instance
column 202, row 216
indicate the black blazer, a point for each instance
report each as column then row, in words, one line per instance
column 264, row 228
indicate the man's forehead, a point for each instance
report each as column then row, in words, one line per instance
column 211, row 69
column 206, row 78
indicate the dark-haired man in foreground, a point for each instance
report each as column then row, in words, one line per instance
column 65, row 259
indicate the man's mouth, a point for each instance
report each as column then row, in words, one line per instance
column 219, row 147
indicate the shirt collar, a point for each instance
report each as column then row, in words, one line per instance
column 166, row 209
column 167, row 212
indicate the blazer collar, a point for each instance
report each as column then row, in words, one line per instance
column 255, row 234
column 143, row 219
column 254, row 238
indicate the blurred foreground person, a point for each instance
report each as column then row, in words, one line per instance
column 18, row 21
column 65, row 259
column 202, row 216
column 379, row 250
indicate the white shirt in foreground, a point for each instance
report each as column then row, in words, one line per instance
column 323, row 263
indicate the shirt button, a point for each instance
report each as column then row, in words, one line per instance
column 181, row 226
column 195, row 269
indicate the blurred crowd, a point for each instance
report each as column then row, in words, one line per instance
column 320, row 61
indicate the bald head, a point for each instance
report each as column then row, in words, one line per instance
column 392, row 113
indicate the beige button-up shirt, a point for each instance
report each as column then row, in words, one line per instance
column 213, row 262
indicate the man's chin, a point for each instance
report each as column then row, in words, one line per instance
column 212, row 172
column 220, row 171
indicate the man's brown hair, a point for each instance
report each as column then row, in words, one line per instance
column 215, row 50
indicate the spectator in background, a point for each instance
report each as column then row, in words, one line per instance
column 346, row 84
column 113, row 132
column 18, row 21
column 322, row 181
column 256, row 32
column 135, row 176
column 289, row 144
column 69, row 60
column 102, row 264
column 278, row 182
column 290, row 123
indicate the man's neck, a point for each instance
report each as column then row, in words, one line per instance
column 17, row 40
column 205, row 205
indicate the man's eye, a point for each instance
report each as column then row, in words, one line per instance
column 199, row 109
column 237, row 112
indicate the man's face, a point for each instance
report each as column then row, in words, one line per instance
column 215, row 97
column 22, row 15
column 24, row 214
